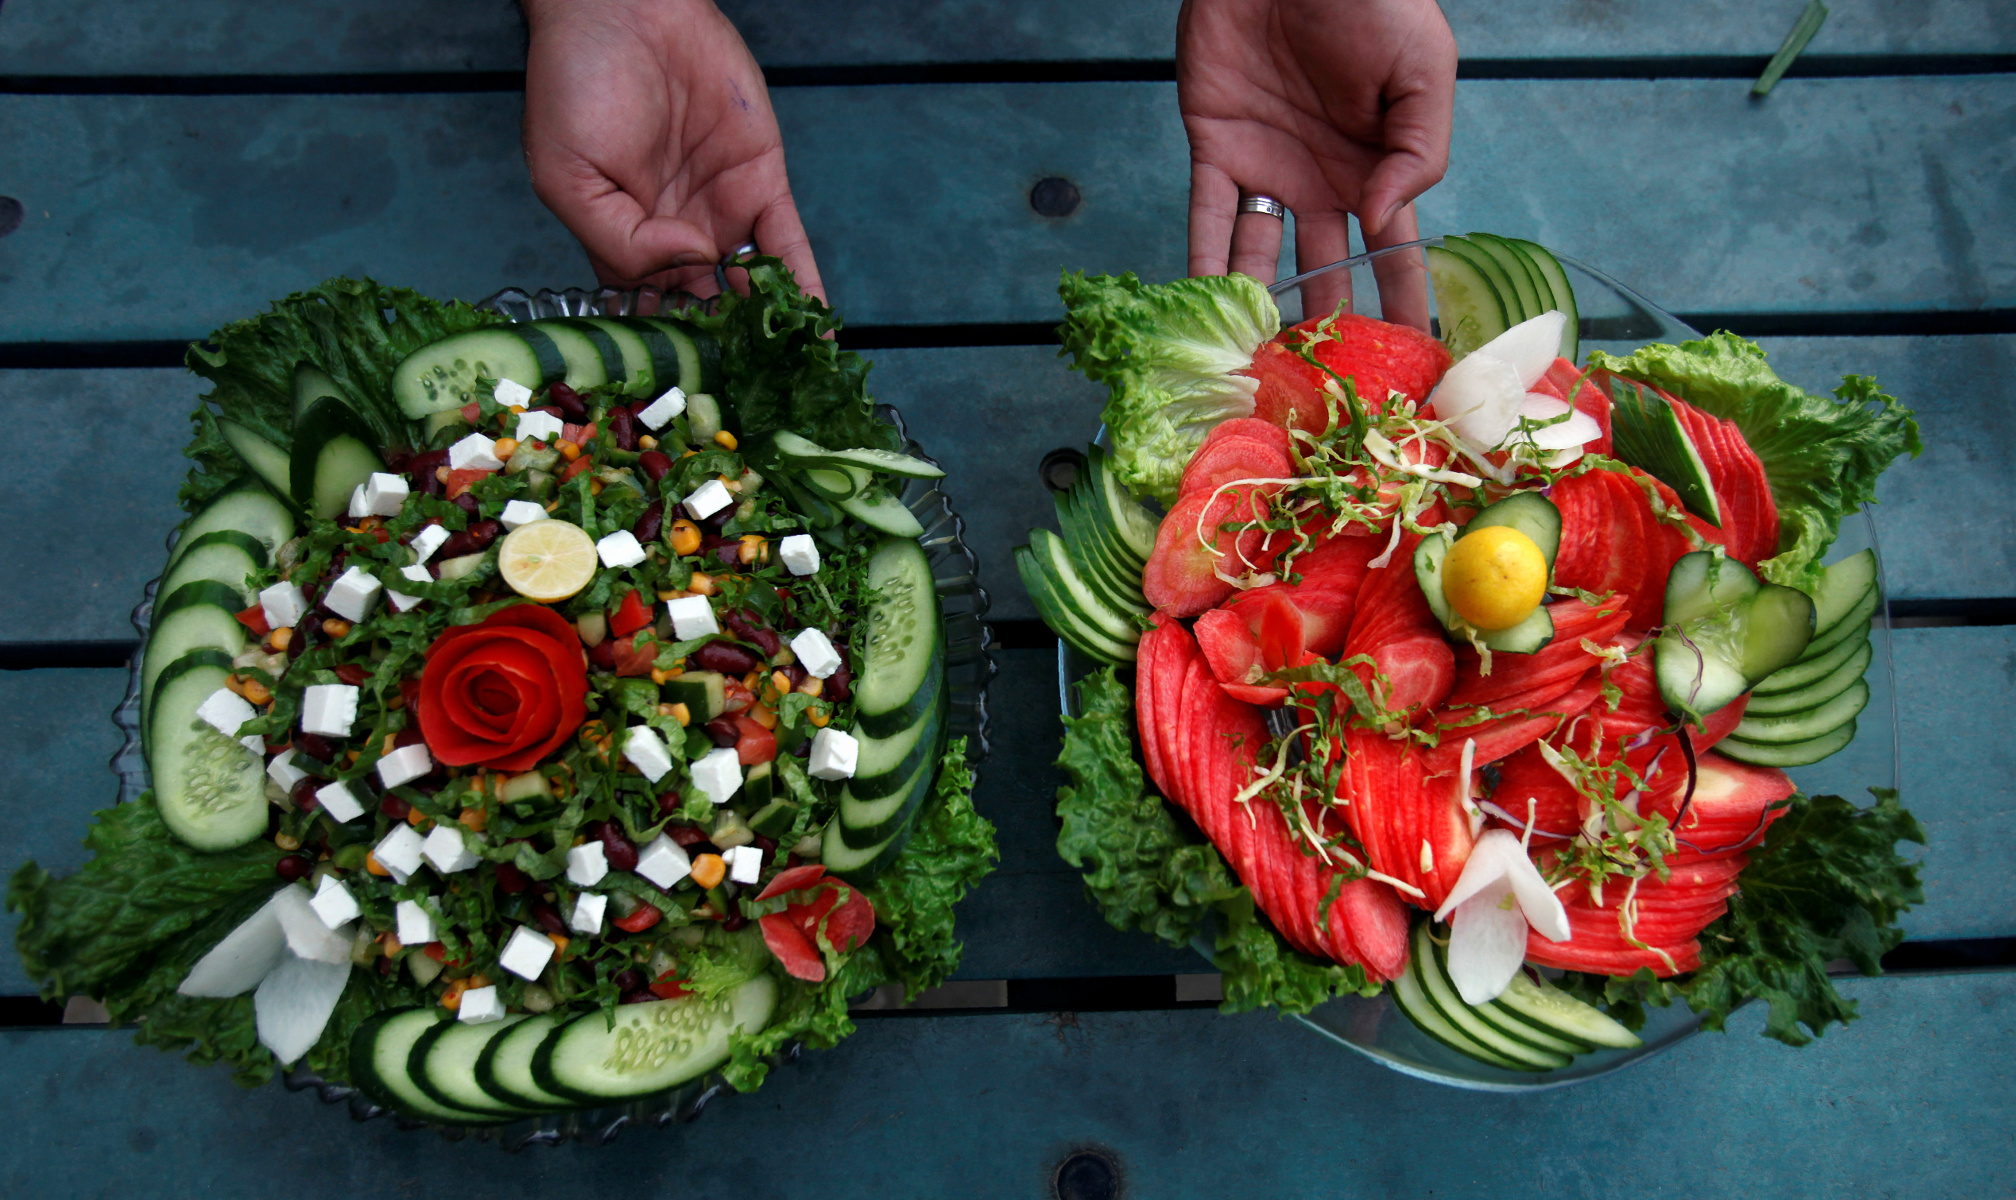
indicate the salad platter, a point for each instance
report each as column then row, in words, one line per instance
column 551, row 714
column 1442, row 635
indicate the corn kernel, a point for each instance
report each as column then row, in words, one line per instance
column 336, row 627
column 552, row 504
column 569, row 450
column 441, row 474
column 594, row 487
column 281, row 638
column 505, row 448
column 702, row 585
column 390, row 942
column 388, row 743
column 395, row 701
column 689, row 454
column 647, row 442
column 517, row 408
column 474, row 819
column 763, row 715
column 685, row 537
column 286, row 841
column 752, row 545
column 659, row 677
column 416, row 818
column 350, row 759
column 725, row 440
column 559, row 944
column 451, row 999
column 812, row 686
column 682, row 714
column 372, row 865
column 780, row 682
column 257, row 693
column 818, row 717
column 235, row 684
column 709, row 870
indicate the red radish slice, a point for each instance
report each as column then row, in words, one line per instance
column 1503, row 736
column 1182, row 573
column 1377, row 921
column 1731, row 807
column 1147, row 667
column 1560, row 661
column 1378, row 358
column 1419, row 672
column 1280, row 634
column 1218, row 463
column 1230, row 648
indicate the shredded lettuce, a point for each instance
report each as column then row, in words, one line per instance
column 781, row 368
column 1822, row 456
column 1147, row 870
column 1167, row 354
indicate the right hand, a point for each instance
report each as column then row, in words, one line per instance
column 649, row 133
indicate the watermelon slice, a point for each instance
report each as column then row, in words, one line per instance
column 1396, row 810
column 1611, row 542
column 1378, row 357
column 1332, row 574
column 1233, row 653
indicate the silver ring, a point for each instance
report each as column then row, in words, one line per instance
column 1265, row 205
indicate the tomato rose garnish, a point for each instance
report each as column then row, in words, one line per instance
column 505, row 693
column 820, row 914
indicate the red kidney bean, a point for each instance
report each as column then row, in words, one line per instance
column 670, row 802
column 644, row 997
column 568, row 401
column 802, row 749
column 685, row 835
column 651, row 524
column 393, row 807
column 420, row 469
column 471, row 540
column 719, row 519
column 603, row 654
column 629, row 980
column 734, row 920
column 727, row 658
column 293, row 867
column 655, row 464
column 723, row 731
column 728, row 554
column 304, row 793
column 839, row 684
column 617, row 850
column 795, row 672
column 623, row 427
column 549, row 917
column 750, row 628
column 352, row 674
column 466, row 502
column 511, row 879
column 767, row 845
column 409, row 736
column 315, row 746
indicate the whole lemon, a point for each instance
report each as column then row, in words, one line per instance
column 1494, row 577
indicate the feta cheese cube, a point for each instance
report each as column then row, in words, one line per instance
column 521, row 512
column 745, row 863
column 427, row 541
column 384, row 493
column 643, row 747
column 587, row 864
column 283, row 772
column 586, row 916
column 834, row 753
column 816, row 653
column 399, row 852
column 418, row 574
column 620, row 549
column 718, row 773
column 692, row 617
column 526, row 954
column 448, row 851
column 359, row 506
column 664, row 862
column 226, row 710
column 799, row 554
column 539, row 427
column 415, row 924
column 254, row 743
column 354, row 594
column 407, row 764
column 339, row 802
column 474, row 453
column 509, row 392
column 283, row 605
column 480, row 1006
column 328, row 709
column 659, row 413
column 334, row 903
column 707, row 499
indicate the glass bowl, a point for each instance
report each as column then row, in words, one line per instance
column 1616, row 319
column 970, row 665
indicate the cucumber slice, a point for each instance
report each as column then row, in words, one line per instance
column 1088, row 554
column 464, row 367
column 1063, row 619
column 1564, row 294
column 802, row 452
column 879, row 510
column 666, row 362
column 1705, row 584
column 442, row 1064
column 1072, row 588
column 1808, row 724
column 246, row 506
column 332, row 456
column 640, row 369
column 210, row 790
column 883, row 765
column 1533, row 295
column 813, row 507
column 1413, row 1003
column 900, row 646
column 1529, row 636
column 1695, row 673
column 1780, row 624
column 1545, row 1007
column 830, row 484
column 704, row 693
column 1442, row 994
column 1531, row 514
column 703, row 416
column 859, row 864
column 264, row 459
column 1855, row 624
column 1787, row 754
column 1842, row 588
column 652, row 1046
column 380, row 1053
column 200, row 620
column 504, row 1068
column 1647, row 434
column 224, row 556
column 1096, row 524
column 867, row 824
column 699, row 354
column 1817, row 692
column 592, row 359
column 1811, row 667
column 1132, row 526
column 1467, row 307
column 312, row 383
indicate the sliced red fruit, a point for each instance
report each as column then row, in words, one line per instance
column 1148, row 660
column 1501, row 736
column 1418, row 670
column 1378, row 357
column 1667, row 915
column 1564, row 382
column 1280, row 633
column 1561, row 660
column 1332, row 574
column 1731, row 807
column 1193, row 720
column 1235, row 658
column 1611, row 541
column 1396, row 810
column 1241, row 448
column 1182, row 573
column 800, row 957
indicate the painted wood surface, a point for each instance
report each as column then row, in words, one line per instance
column 160, row 217
column 104, row 37
column 1911, row 1101
column 1030, row 919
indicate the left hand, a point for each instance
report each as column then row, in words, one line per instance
column 1332, row 107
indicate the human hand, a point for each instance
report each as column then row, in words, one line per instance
column 649, row 133
column 1332, row 107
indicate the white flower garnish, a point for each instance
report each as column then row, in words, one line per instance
column 1487, row 396
column 1499, row 895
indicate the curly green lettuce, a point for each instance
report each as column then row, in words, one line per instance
column 781, row 368
column 1822, row 456
column 1147, row 871
column 1167, row 354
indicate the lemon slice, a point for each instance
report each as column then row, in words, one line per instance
column 547, row 561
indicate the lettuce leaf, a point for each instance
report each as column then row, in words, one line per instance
column 1822, row 456
column 781, row 368
column 1146, row 871
column 1167, row 354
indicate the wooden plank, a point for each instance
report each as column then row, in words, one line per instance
column 107, row 37
column 158, row 217
column 1188, row 1103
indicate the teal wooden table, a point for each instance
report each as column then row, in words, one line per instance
column 177, row 166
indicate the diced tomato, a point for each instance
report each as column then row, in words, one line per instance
column 575, row 468
column 462, row 479
column 631, row 615
column 753, row 743
column 643, row 917
column 580, row 435
column 634, row 655
column 254, row 619
column 472, row 412
column 739, row 696
column 792, row 947
column 666, row 987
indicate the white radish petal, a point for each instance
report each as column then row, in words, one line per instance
column 1538, row 902
column 1531, row 346
column 247, row 954
column 307, row 936
column 292, row 1005
column 1487, row 944
column 1479, row 398
column 1484, row 868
